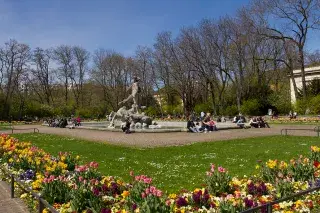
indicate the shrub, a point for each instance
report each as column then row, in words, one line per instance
column 280, row 102
column 84, row 113
column 204, row 107
column 251, row 107
column 173, row 109
column 152, row 111
column 301, row 106
column 64, row 110
column 230, row 110
column 40, row 110
column 315, row 105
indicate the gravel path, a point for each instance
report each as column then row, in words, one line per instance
column 165, row 139
column 9, row 205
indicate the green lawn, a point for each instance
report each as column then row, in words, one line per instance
column 175, row 168
column 5, row 126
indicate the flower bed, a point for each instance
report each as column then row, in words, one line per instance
column 73, row 187
column 287, row 120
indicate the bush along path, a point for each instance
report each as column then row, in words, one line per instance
column 73, row 187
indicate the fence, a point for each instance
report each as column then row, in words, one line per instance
column 268, row 206
column 315, row 129
column 42, row 202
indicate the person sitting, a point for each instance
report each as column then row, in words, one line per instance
column 235, row 119
column 295, row 115
column 199, row 126
column 290, row 115
column 243, row 118
column 254, row 123
column 262, row 123
column 126, row 127
column 78, row 121
column 190, row 125
column 223, row 119
column 241, row 124
column 211, row 125
column 64, row 123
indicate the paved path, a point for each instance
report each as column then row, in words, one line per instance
column 8, row 205
column 166, row 139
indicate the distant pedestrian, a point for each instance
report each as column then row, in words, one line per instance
column 202, row 114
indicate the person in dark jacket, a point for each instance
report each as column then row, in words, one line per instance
column 126, row 128
column 191, row 126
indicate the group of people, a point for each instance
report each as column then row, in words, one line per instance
column 63, row 122
column 258, row 122
column 240, row 121
column 204, row 125
column 293, row 115
column 208, row 124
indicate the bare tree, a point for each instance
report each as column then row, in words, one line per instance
column 143, row 69
column 63, row 55
column 296, row 19
column 237, row 50
column 42, row 76
column 313, row 59
column 111, row 72
column 14, row 57
column 175, row 65
column 78, row 72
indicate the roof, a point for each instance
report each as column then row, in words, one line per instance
column 308, row 71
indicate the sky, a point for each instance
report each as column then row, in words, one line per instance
column 120, row 25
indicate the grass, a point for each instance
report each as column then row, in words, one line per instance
column 5, row 126
column 180, row 167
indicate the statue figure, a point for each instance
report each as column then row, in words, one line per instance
column 131, row 115
column 122, row 113
column 134, row 90
column 134, row 109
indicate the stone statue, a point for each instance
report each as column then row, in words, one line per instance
column 132, row 115
column 122, row 114
column 134, row 92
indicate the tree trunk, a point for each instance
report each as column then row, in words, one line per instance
column 66, row 92
column 292, row 78
column 239, row 100
column 303, row 76
column 213, row 98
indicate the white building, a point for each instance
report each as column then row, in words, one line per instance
column 310, row 74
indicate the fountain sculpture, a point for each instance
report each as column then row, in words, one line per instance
column 132, row 115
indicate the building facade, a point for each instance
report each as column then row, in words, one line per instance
column 310, row 74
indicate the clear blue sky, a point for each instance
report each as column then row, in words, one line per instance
column 121, row 25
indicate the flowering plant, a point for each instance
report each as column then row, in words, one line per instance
column 144, row 194
column 218, row 180
column 56, row 189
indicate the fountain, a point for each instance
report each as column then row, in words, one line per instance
column 136, row 119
